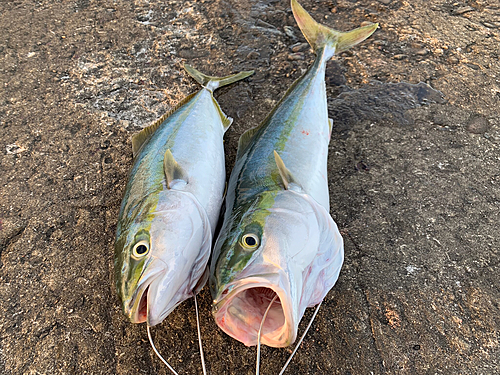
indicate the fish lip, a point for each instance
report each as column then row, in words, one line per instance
column 133, row 306
column 223, row 302
column 236, row 286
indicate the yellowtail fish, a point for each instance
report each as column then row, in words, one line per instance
column 279, row 250
column 171, row 205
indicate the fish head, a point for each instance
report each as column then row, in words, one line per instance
column 160, row 256
column 277, row 247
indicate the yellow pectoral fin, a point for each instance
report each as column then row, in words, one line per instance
column 285, row 174
column 173, row 171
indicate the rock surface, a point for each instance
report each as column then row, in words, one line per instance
column 414, row 178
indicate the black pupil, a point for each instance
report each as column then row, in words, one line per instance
column 250, row 241
column 141, row 249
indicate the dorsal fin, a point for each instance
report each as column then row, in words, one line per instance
column 247, row 136
column 285, row 174
column 139, row 139
column 245, row 139
column 173, row 171
column 142, row 137
column 225, row 192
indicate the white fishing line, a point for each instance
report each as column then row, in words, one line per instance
column 301, row 339
column 199, row 337
column 257, row 365
column 158, row 354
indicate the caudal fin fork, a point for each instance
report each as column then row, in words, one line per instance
column 211, row 82
column 320, row 36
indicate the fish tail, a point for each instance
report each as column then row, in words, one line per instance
column 323, row 37
column 213, row 83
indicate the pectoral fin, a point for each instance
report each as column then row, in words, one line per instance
column 173, row 171
column 287, row 177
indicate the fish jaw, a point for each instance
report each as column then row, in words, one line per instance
column 241, row 306
column 150, row 304
column 136, row 308
column 164, row 289
column 163, row 298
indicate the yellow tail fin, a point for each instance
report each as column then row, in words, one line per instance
column 320, row 36
column 213, row 83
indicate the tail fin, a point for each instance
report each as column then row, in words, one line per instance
column 320, row 36
column 213, row 83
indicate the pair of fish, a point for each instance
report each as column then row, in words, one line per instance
column 278, row 251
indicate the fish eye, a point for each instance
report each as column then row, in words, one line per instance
column 140, row 249
column 250, row 241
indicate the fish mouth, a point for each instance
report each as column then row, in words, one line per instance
column 241, row 307
column 142, row 310
column 145, row 308
column 154, row 299
column 138, row 308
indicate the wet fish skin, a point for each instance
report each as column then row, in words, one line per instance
column 278, row 196
column 171, row 205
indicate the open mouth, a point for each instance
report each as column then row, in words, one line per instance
column 241, row 311
column 142, row 311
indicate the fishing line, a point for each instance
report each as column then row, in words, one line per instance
column 300, row 341
column 199, row 336
column 257, row 365
column 158, row 354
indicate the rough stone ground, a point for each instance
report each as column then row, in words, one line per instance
column 414, row 178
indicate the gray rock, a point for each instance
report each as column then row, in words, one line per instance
column 478, row 125
column 462, row 10
column 296, row 56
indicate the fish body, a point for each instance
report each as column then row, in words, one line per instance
column 278, row 237
column 171, row 205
